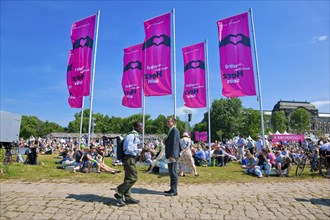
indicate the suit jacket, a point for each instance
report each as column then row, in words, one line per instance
column 172, row 144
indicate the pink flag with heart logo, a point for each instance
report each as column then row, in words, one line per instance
column 132, row 77
column 194, row 89
column 75, row 102
column 82, row 38
column 236, row 64
column 157, row 56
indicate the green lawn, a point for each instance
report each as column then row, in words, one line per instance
column 48, row 172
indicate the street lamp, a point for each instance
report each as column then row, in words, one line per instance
column 188, row 118
column 93, row 125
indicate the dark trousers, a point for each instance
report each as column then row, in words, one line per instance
column 173, row 171
column 131, row 176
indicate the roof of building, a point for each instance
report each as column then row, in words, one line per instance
column 293, row 105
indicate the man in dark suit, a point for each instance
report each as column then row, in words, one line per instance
column 172, row 153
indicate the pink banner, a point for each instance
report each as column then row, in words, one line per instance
column 82, row 38
column 75, row 102
column 287, row 137
column 235, row 57
column 157, row 56
column 194, row 89
column 132, row 77
column 203, row 136
column 196, row 135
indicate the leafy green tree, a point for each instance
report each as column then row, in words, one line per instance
column 300, row 120
column 49, row 127
column 159, row 125
column 251, row 123
column 74, row 126
column 279, row 121
column 30, row 126
column 226, row 115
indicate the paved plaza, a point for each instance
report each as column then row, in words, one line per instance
column 309, row 199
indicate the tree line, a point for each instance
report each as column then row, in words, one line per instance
column 228, row 119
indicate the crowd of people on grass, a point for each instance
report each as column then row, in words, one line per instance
column 255, row 157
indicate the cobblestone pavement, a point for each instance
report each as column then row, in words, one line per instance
column 42, row 200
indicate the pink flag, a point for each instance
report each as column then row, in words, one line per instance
column 75, row 102
column 194, row 90
column 132, row 77
column 203, row 136
column 157, row 56
column 235, row 57
column 196, row 135
column 82, row 37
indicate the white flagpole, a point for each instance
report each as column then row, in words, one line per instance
column 174, row 60
column 143, row 118
column 258, row 77
column 93, row 75
column 208, row 95
column 81, row 120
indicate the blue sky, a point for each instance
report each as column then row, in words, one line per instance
column 292, row 39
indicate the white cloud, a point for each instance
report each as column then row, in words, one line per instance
column 319, row 104
column 319, row 38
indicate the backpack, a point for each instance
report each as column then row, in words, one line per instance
column 120, row 148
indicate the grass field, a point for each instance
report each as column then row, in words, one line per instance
column 48, row 172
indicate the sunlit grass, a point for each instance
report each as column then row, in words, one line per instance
column 48, row 172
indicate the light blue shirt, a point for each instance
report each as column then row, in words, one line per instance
column 200, row 154
column 131, row 142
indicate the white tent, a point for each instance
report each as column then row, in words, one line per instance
column 277, row 132
column 285, row 132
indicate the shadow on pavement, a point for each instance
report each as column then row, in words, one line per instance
column 146, row 191
column 325, row 202
column 93, row 198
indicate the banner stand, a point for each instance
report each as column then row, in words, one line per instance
column 93, row 77
column 258, row 78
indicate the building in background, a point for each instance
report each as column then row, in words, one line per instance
column 320, row 122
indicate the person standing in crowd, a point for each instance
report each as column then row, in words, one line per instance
column 186, row 158
column 240, row 147
column 123, row 191
column 172, row 153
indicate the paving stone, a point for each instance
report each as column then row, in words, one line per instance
column 203, row 201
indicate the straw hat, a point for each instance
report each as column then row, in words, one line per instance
column 185, row 134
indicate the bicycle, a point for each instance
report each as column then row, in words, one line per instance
column 320, row 164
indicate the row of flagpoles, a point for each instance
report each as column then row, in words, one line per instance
column 150, row 67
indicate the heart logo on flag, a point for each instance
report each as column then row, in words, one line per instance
column 134, row 65
column 236, row 39
column 83, row 42
column 158, row 40
column 195, row 64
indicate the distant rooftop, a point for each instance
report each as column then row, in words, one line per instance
column 293, row 105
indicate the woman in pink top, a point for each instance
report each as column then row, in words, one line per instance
column 271, row 157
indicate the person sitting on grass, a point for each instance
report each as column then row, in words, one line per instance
column 263, row 162
column 101, row 166
column 251, row 165
column 154, row 167
column 199, row 156
column 283, row 162
column 219, row 156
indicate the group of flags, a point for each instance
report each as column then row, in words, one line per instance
column 147, row 66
